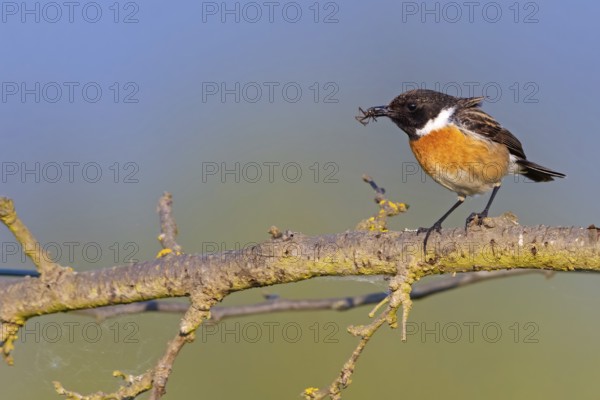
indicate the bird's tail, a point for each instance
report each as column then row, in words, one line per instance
column 536, row 172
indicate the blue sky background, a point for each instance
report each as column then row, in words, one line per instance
column 156, row 127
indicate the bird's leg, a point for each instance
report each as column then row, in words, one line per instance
column 480, row 216
column 438, row 225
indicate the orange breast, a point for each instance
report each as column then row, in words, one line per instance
column 461, row 162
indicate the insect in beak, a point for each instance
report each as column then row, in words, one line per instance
column 371, row 114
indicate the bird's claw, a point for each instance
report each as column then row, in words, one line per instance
column 477, row 217
column 435, row 227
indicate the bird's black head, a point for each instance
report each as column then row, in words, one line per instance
column 413, row 110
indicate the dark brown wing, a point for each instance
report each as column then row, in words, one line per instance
column 471, row 117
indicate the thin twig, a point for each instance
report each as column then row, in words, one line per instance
column 31, row 247
column 163, row 368
column 387, row 208
column 155, row 379
column 398, row 297
column 343, row 380
column 168, row 227
column 283, row 305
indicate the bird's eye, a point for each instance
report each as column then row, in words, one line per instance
column 411, row 106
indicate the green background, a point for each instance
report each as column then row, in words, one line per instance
column 544, row 61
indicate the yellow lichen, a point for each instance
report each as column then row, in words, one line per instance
column 163, row 253
column 310, row 392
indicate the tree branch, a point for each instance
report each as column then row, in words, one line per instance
column 302, row 257
column 278, row 304
column 31, row 247
column 206, row 279
column 168, row 228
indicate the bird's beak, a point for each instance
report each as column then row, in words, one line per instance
column 372, row 114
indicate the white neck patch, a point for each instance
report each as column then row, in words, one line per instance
column 438, row 122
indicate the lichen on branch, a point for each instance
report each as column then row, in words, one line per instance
column 501, row 243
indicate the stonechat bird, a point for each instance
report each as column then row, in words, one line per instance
column 459, row 146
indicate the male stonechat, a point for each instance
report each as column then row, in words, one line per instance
column 459, row 146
